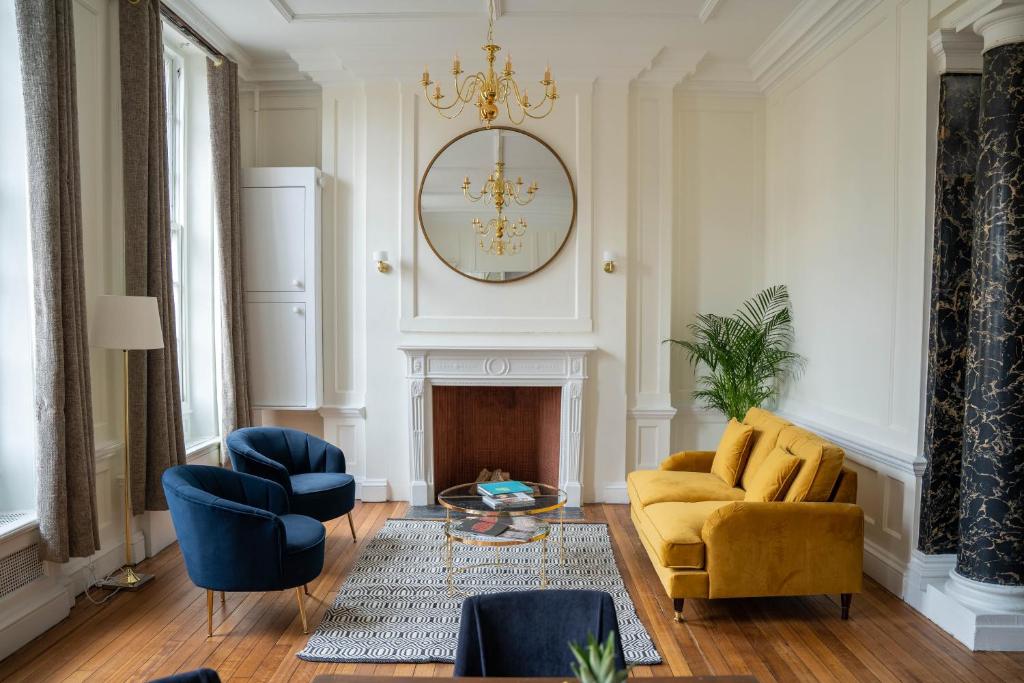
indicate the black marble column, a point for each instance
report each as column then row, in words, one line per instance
column 992, row 481
column 955, row 164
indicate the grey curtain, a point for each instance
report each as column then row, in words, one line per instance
column 65, row 452
column 156, row 433
column 222, row 87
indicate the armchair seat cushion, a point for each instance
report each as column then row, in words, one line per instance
column 323, row 495
column 301, row 533
column 647, row 487
column 673, row 530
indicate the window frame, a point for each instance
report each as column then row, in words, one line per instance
column 177, row 161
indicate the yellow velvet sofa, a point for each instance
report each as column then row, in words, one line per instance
column 705, row 541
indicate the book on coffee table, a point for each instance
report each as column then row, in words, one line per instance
column 494, row 488
column 483, row 526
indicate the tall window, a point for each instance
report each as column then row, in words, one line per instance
column 189, row 173
column 174, row 82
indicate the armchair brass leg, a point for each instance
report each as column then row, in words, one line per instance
column 302, row 610
column 677, row 606
column 209, row 613
column 352, row 526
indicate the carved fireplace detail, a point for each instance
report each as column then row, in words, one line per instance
column 428, row 368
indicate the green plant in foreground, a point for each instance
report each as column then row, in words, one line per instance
column 746, row 354
column 595, row 663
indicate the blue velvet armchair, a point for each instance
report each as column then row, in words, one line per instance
column 527, row 633
column 310, row 470
column 236, row 534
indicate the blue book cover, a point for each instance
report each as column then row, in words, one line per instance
column 494, row 488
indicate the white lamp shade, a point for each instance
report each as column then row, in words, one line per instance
column 127, row 323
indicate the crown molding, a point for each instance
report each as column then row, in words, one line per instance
column 813, row 25
column 956, row 52
column 965, row 14
column 581, row 61
column 192, row 15
column 707, row 10
column 271, row 70
column 671, row 66
column 426, row 10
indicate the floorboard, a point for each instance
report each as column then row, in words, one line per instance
column 162, row 629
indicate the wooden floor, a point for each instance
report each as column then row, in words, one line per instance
column 162, row 629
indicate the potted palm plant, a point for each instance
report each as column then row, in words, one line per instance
column 746, row 355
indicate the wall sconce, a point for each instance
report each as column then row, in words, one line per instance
column 609, row 261
column 381, row 257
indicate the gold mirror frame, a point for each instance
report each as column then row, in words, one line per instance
column 423, row 180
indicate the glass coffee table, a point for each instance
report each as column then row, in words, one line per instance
column 527, row 524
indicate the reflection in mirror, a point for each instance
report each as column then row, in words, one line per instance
column 496, row 204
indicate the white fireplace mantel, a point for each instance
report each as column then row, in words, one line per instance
column 561, row 366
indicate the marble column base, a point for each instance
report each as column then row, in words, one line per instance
column 982, row 616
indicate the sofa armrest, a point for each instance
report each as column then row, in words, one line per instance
column 755, row 548
column 689, row 461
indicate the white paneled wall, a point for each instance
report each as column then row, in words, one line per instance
column 718, row 248
column 847, row 230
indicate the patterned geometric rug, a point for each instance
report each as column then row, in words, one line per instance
column 394, row 605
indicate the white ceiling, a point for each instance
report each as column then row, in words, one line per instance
column 328, row 40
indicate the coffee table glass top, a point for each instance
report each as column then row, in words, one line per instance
column 464, row 498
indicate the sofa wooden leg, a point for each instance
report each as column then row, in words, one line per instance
column 845, row 600
column 352, row 526
column 302, row 609
column 305, row 588
column 209, row 613
column 223, row 598
column 677, row 606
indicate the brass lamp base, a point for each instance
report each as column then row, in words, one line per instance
column 128, row 579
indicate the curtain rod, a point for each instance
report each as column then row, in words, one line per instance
column 203, row 44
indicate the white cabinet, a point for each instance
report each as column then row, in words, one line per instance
column 281, row 254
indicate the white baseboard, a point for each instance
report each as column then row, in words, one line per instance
column 31, row 610
column 884, row 567
column 924, row 571
column 615, row 493
column 158, row 530
column 372, row 490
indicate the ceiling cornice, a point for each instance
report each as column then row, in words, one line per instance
column 813, row 25
column 707, row 10
column 209, row 30
column 421, row 10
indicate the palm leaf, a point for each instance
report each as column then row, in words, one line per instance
column 745, row 356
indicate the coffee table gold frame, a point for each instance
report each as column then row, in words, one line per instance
column 448, row 501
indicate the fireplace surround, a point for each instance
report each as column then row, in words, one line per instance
column 478, row 366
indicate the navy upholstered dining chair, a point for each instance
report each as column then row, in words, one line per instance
column 527, row 633
column 311, row 470
column 236, row 534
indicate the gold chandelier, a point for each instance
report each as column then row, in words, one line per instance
column 499, row 191
column 491, row 89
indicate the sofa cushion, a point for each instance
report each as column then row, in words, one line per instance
column 732, row 451
column 822, row 463
column 773, row 477
column 647, row 487
column 674, row 531
column 766, row 433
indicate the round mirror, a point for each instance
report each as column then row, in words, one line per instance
column 496, row 204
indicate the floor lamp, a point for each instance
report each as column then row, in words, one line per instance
column 127, row 323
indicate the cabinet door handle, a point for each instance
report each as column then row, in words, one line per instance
column 297, row 310
column 296, row 283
